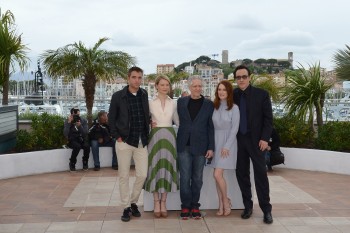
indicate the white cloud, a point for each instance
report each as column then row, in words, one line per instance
column 245, row 22
column 175, row 31
column 284, row 37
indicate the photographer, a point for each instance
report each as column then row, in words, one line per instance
column 76, row 131
column 99, row 136
column 273, row 154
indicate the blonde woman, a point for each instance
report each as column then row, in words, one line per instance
column 162, row 169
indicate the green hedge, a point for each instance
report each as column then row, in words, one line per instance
column 47, row 133
column 331, row 136
column 334, row 136
column 293, row 133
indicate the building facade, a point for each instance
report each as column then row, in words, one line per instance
column 224, row 56
column 165, row 68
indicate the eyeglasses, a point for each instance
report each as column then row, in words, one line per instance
column 244, row 77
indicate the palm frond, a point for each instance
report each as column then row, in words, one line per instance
column 342, row 62
column 305, row 92
column 75, row 61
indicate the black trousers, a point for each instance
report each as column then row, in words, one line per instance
column 247, row 151
column 77, row 146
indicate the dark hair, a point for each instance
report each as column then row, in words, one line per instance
column 241, row 67
column 74, row 110
column 134, row 68
column 101, row 113
column 229, row 90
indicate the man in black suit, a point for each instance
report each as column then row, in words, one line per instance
column 254, row 132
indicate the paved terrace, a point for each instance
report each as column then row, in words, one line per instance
column 303, row 201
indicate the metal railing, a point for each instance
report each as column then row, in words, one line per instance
column 334, row 109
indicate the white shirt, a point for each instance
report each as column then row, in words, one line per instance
column 164, row 118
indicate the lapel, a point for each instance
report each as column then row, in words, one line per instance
column 186, row 100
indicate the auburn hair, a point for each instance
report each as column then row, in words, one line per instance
column 229, row 89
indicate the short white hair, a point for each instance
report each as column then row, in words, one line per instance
column 193, row 77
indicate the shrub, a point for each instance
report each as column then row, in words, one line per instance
column 47, row 133
column 26, row 116
column 334, row 136
column 24, row 141
column 293, row 133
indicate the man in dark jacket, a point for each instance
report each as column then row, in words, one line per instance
column 100, row 137
column 255, row 128
column 76, row 131
column 129, row 120
column 195, row 144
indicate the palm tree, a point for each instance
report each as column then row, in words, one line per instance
column 75, row 61
column 12, row 51
column 305, row 93
column 175, row 78
column 342, row 61
column 266, row 82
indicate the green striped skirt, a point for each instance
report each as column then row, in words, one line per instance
column 162, row 168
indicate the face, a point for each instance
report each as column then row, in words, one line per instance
column 163, row 87
column 242, row 79
column 77, row 112
column 196, row 89
column 222, row 93
column 135, row 80
column 104, row 119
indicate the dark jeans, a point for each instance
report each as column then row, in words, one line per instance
column 95, row 149
column 77, row 146
column 191, row 178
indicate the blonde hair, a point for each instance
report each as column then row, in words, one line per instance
column 160, row 77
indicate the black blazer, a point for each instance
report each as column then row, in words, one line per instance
column 119, row 113
column 260, row 116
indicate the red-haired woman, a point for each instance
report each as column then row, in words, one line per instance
column 226, row 124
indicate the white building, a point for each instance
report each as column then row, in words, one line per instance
column 189, row 69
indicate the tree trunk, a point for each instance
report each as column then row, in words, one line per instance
column 319, row 115
column 5, row 87
column 89, row 84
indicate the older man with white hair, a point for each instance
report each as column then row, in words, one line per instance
column 195, row 144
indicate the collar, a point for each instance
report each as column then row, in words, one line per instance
column 157, row 98
column 246, row 91
column 139, row 92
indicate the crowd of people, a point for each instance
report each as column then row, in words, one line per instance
column 226, row 133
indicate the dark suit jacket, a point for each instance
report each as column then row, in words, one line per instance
column 260, row 113
column 200, row 130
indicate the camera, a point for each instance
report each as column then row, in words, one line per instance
column 76, row 118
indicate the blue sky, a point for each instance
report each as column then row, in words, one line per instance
column 175, row 31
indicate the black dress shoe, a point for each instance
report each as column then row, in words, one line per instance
column 246, row 213
column 268, row 218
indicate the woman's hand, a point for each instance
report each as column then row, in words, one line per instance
column 153, row 124
column 225, row 152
